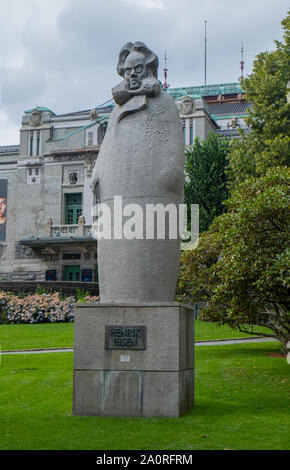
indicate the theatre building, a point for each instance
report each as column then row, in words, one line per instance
column 45, row 197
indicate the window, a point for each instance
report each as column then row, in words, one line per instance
column 191, row 133
column 100, row 134
column 72, row 273
column 184, row 130
column 73, row 208
column 73, row 215
column 33, row 175
column 30, row 143
column 37, row 142
column 71, row 256
column 73, row 178
column 90, row 139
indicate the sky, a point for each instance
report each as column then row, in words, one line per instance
column 62, row 54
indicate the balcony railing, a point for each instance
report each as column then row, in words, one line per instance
column 66, row 231
column 63, row 231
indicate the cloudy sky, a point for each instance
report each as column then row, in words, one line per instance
column 62, row 54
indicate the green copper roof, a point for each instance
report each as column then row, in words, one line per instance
column 37, row 108
column 215, row 117
column 207, row 90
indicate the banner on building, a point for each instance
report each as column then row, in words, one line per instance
column 3, row 208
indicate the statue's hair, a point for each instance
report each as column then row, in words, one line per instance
column 151, row 58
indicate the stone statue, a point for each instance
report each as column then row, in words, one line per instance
column 134, row 350
column 142, row 160
column 93, row 114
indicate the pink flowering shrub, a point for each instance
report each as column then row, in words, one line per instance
column 38, row 308
column 5, row 298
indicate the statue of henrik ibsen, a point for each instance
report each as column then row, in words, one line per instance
column 142, row 160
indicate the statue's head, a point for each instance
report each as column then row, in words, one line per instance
column 137, row 61
column 138, row 66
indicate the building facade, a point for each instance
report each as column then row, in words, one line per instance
column 45, row 196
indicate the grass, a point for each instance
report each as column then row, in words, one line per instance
column 206, row 331
column 42, row 335
column 60, row 335
column 241, row 403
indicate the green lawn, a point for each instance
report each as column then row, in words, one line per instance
column 209, row 331
column 43, row 335
column 49, row 335
column 242, row 402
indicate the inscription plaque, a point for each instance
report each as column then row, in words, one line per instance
column 125, row 337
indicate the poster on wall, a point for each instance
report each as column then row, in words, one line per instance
column 3, row 207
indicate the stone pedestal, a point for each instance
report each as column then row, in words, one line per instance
column 134, row 360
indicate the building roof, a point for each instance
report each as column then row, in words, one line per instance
column 107, row 104
column 230, row 132
column 39, row 108
column 100, row 119
column 75, row 113
column 177, row 94
column 207, row 90
column 226, row 109
column 103, row 108
column 9, row 149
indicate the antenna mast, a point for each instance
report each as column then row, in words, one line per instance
column 165, row 70
column 205, row 23
column 241, row 78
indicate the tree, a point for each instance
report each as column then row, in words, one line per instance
column 241, row 266
column 207, row 185
column 268, row 143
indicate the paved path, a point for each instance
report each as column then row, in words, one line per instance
column 233, row 341
column 198, row 343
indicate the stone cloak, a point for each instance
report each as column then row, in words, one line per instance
column 142, row 160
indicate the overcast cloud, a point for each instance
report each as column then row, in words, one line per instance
column 62, row 54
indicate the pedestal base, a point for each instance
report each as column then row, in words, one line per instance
column 133, row 360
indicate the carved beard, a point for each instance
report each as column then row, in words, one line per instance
column 150, row 86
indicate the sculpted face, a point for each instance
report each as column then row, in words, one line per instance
column 187, row 107
column 137, row 65
column 35, row 119
column 135, row 70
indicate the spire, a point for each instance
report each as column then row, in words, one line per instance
column 165, row 70
column 241, row 78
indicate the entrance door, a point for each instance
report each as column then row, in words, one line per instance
column 72, row 273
